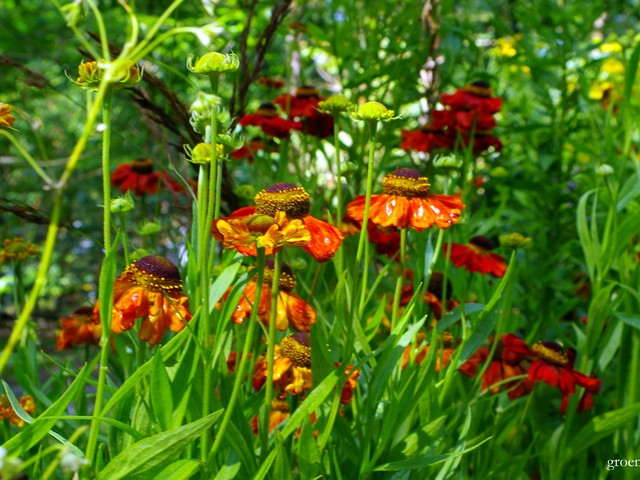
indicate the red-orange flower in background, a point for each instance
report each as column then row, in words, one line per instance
column 291, row 309
column 6, row 119
column 406, row 201
column 245, row 233
column 267, row 118
column 427, row 138
column 476, row 256
column 291, row 366
column 77, row 329
column 149, row 288
column 508, row 361
column 304, row 105
column 139, row 176
column 278, row 414
column 446, row 349
column 386, row 239
column 7, row 412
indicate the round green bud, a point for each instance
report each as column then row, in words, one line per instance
column 214, row 63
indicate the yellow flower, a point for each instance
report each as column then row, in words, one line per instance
column 612, row 66
column 504, row 48
column 597, row 90
column 15, row 249
column 6, row 119
column 610, row 47
column 90, row 74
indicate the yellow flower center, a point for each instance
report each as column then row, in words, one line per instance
column 286, row 282
column 479, row 88
column 283, row 197
column 155, row 273
column 142, row 166
column 296, row 347
column 405, row 182
column 551, row 352
column 307, row 91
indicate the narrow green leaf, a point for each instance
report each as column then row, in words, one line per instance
column 222, row 283
column 633, row 320
column 146, row 458
column 454, row 315
column 180, row 470
column 266, row 466
column 599, row 427
column 31, row 434
column 160, row 391
column 231, row 467
column 308, row 452
column 583, row 232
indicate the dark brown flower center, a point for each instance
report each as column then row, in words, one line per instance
column 267, row 110
column 479, row 88
column 307, row 91
column 142, row 166
column 483, row 242
column 436, row 284
column 296, row 347
column 155, row 273
column 283, row 197
column 405, row 182
column 551, row 352
column 287, row 280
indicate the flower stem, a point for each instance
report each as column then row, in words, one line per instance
column 268, row 397
column 106, row 167
column 398, row 291
column 27, row 156
column 244, row 358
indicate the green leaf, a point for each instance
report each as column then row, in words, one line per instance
column 146, row 458
column 231, row 467
column 41, row 426
column 160, row 390
column 425, row 461
column 601, row 426
column 308, row 452
column 224, row 280
column 180, row 470
column 631, row 319
column 454, row 315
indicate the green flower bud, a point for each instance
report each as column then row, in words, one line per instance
column 90, row 74
column 202, row 153
column 213, row 63
column 515, row 240
column 72, row 13
column 335, row 104
column 373, row 112
column 450, row 161
column 122, row 204
column 604, row 170
column 149, row 228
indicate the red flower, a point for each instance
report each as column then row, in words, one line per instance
column 304, row 105
column 474, row 97
column 77, row 329
column 406, row 201
column 554, row 366
column 477, row 257
column 427, row 138
column 274, row 83
column 266, row 117
column 508, row 361
column 291, row 309
column 139, row 176
column 149, row 288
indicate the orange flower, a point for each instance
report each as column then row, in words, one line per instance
column 6, row 119
column 406, row 202
column 77, row 329
column 476, row 256
column 279, row 413
column 245, row 233
column 291, row 308
column 291, row 366
column 149, row 288
column 323, row 239
column 352, row 382
column 7, row 411
column 446, row 349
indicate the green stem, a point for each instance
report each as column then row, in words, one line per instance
column 268, row 397
column 244, row 359
column 27, row 156
column 106, row 167
column 398, row 291
column 125, row 240
column 52, row 231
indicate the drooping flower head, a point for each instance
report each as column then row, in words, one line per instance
column 149, row 288
column 406, row 201
column 77, row 329
column 91, row 73
column 267, row 118
column 291, row 366
column 296, row 203
column 291, row 308
column 141, row 177
column 508, row 361
column 476, row 256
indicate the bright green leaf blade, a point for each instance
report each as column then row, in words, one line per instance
column 161, row 397
column 180, row 470
column 146, row 458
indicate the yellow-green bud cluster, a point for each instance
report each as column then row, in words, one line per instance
column 213, row 63
column 335, row 104
column 515, row 240
column 202, row 153
column 373, row 111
